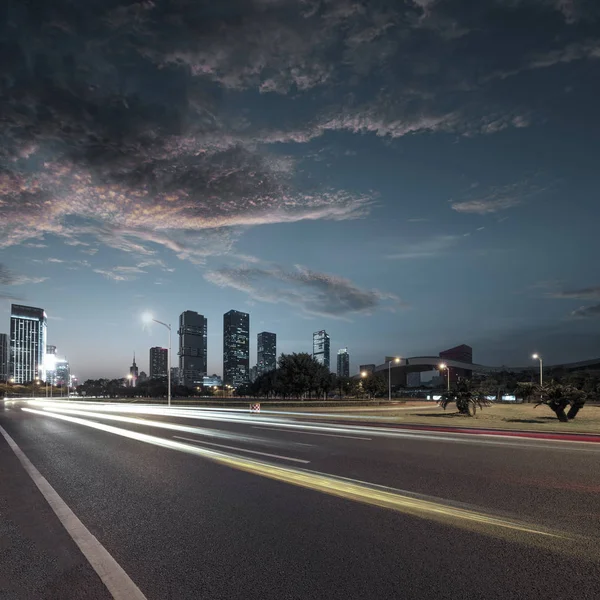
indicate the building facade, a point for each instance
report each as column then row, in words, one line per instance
column 266, row 352
column 192, row 348
column 158, row 362
column 236, row 348
column 321, row 348
column 462, row 353
column 370, row 368
column 343, row 363
column 4, row 357
column 28, row 330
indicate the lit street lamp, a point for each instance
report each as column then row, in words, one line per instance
column 395, row 360
column 538, row 357
column 445, row 366
column 148, row 318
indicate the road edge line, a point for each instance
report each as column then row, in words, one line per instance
column 112, row 575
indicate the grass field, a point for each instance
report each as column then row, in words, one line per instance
column 500, row 416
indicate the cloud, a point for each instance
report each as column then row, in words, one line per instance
column 587, row 312
column 8, row 278
column 171, row 126
column 591, row 293
column 314, row 293
column 499, row 198
column 426, row 248
column 121, row 273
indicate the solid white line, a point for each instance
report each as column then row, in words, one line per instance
column 179, row 437
column 110, row 572
column 349, row 437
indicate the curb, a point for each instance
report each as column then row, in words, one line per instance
column 528, row 434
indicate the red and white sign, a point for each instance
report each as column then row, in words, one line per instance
column 255, row 408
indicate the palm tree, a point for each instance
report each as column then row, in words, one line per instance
column 467, row 398
column 558, row 396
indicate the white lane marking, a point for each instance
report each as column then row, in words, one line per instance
column 118, row 583
column 349, row 437
column 299, row 460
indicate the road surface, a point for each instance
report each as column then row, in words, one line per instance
column 215, row 504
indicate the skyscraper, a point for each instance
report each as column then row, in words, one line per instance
column 3, row 357
column 321, row 352
column 343, row 363
column 236, row 348
column 266, row 352
column 158, row 362
column 133, row 373
column 192, row 348
column 28, row 326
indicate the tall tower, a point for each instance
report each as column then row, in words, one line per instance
column 236, row 348
column 266, row 352
column 343, row 363
column 321, row 345
column 192, row 348
column 3, row 357
column 28, row 327
column 133, row 373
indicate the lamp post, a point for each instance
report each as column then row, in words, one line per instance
column 538, row 357
column 447, row 368
column 395, row 360
column 149, row 318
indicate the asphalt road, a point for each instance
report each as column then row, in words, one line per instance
column 228, row 505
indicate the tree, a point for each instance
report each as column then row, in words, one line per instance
column 374, row 384
column 467, row 398
column 558, row 396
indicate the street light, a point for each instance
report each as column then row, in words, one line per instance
column 395, row 360
column 148, row 318
column 445, row 366
column 363, row 374
column 538, row 357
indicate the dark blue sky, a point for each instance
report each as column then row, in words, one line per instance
column 407, row 175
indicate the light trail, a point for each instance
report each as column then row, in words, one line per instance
column 419, row 506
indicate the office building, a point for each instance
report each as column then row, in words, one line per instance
column 50, row 349
column 143, row 377
column 266, row 352
column 253, row 373
column 3, row 357
column 28, row 327
column 133, row 373
column 462, row 353
column 175, row 377
column 368, row 369
column 236, row 348
column 62, row 373
column 192, row 348
column 158, row 362
column 343, row 363
column 321, row 348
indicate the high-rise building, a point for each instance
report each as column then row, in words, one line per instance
column 50, row 349
column 3, row 357
column 28, row 327
column 192, row 348
column 266, row 352
column 236, row 348
column 62, row 373
column 321, row 352
column 133, row 373
column 343, row 363
column 158, row 362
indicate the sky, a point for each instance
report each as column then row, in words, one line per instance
column 409, row 176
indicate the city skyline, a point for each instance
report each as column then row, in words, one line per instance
column 407, row 178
